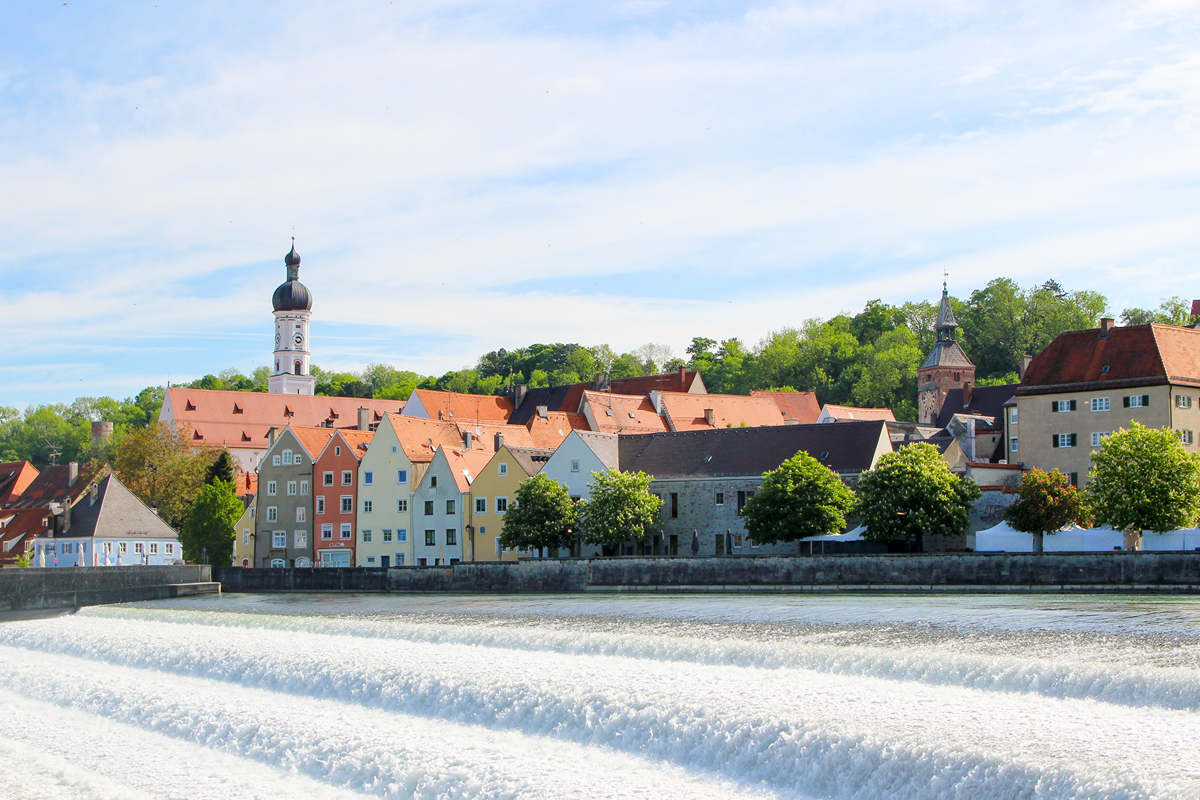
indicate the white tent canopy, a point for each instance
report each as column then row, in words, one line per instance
column 1003, row 538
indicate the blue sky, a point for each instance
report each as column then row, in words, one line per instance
column 464, row 176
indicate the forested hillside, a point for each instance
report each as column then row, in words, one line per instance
column 868, row 359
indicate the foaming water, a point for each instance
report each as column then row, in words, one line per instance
column 849, row 697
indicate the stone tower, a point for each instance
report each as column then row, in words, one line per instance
column 293, row 307
column 946, row 367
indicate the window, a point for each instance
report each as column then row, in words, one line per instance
column 370, row 559
column 1183, row 401
column 501, row 505
column 138, row 549
column 674, row 505
column 402, row 534
column 275, row 460
column 287, row 457
column 304, row 488
column 299, row 513
column 433, row 481
column 272, row 488
column 402, row 506
column 1101, row 404
column 122, row 547
column 401, row 476
column 387, row 534
column 1073, row 478
column 430, row 538
column 395, row 448
column 245, row 536
column 346, row 532
column 502, row 468
column 337, row 449
column 327, row 531
column 742, row 497
column 300, row 538
column 367, row 506
column 291, row 488
column 272, row 513
column 1186, row 437
column 574, row 465
column 327, row 479
column 170, row 548
column 399, row 559
column 1012, row 444
column 1062, row 406
column 1096, row 437
column 347, row 504
column 1064, row 439
column 365, row 533
column 321, row 505
column 428, row 508
column 449, row 506
column 154, row 548
column 1012, row 416
column 368, row 478
column 279, row 539
column 1137, row 400
column 451, row 537
column 480, row 505
column 347, row 478
column 720, row 498
column 277, row 563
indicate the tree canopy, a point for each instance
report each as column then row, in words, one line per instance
column 801, row 497
column 1045, row 503
column 620, row 509
column 1143, row 479
column 208, row 530
column 160, row 466
column 912, row 492
column 543, row 516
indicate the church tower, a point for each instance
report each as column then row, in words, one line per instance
column 293, row 307
column 946, row 367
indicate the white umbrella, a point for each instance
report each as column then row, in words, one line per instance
column 42, row 556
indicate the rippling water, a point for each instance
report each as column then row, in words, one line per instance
column 545, row 697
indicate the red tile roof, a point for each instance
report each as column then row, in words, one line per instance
column 220, row 418
column 53, row 485
column 453, row 405
column 798, row 407
column 15, row 477
column 621, row 413
column 18, row 528
column 689, row 412
column 1138, row 355
column 313, row 440
column 421, row 437
column 853, row 413
column 549, row 431
column 466, row 465
column 682, row 380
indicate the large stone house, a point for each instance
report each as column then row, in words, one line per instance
column 284, row 516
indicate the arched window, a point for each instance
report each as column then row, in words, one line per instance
column 297, row 367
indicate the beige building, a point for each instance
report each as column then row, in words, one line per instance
column 492, row 492
column 1087, row 384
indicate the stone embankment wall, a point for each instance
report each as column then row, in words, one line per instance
column 976, row 572
column 33, row 590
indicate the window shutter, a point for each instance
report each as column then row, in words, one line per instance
column 1054, row 440
column 1053, row 406
column 1074, row 439
column 1146, row 401
column 1073, row 402
column 1125, row 399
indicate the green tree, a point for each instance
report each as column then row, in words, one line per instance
column 544, row 516
column 912, row 492
column 160, row 466
column 801, row 497
column 1045, row 502
column 208, row 530
column 620, row 508
column 1143, row 479
column 222, row 469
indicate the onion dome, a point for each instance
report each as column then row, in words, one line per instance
column 292, row 295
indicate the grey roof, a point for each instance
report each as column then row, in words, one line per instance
column 531, row 459
column 292, row 295
column 116, row 513
column 987, row 401
column 604, row 445
column 847, row 448
column 945, row 317
column 946, row 353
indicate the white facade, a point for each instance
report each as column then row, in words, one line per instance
column 572, row 465
column 437, row 515
column 104, row 552
column 386, row 478
column 291, row 374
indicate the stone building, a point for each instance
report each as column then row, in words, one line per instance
column 946, row 366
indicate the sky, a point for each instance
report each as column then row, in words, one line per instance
column 464, row 176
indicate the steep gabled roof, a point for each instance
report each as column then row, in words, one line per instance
column 53, row 485
column 681, row 380
column 853, row 413
column 115, row 513
column 550, row 430
column 356, row 441
column 1137, row 355
column 530, row 459
column 567, row 398
column 604, row 445
column 689, row 412
column 313, row 440
column 620, row 413
column 947, row 354
column 796, row 407
column 465, row 465
column 450, row 406
column 847, row 448
column 15, row 477
column 987, row 401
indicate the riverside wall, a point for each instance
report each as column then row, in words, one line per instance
column 31, row 591
column 963, row 572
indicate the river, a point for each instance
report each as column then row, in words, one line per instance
column 340, row 696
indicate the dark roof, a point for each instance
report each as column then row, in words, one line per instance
column 568, row 397
column 53, row 484
column 987, row 401
column 531, row 459
column 115, row 513
column 946, row 353
column 292, row 295
column 847, row 447
column 1137, row 355
column 554, row 398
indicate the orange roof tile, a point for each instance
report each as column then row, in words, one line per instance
column 798, row 407
column 620, row 413
column 858, row 414
column 1132, row 356
column 18, row 527
column 455, row 406
column 549, row 431
column 465, row 465
column 312, row 439
column 690, row 412
column 15, row 477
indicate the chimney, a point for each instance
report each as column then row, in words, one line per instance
column 542, row 411
column 499, row 440
column 968, row 390
column 1023, row 365
column 683, row 379
column 1107, row 324
column 364, row 419
column 709, row 418
column 92, row 493
column 440, row 416
column 602, row 383
column 468, row 439
column 519, row 392
column 72, row 473
column 271, row 435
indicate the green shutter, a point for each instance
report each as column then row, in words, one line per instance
column 1125, row 400
column 1146, row 401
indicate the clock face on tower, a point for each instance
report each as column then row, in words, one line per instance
column 298, row 339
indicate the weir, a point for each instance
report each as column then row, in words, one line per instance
column 910, row 573
column 32, row 592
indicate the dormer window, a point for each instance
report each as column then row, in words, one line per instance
column 237, row 409
column 190, row 406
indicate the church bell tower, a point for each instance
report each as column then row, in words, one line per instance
column 293, row 306
column 946, row 367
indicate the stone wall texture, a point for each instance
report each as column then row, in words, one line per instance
column 32, row 589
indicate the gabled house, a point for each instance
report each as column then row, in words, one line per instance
column 975, row 416
column 575, row 460
column 492, row 491
column 568, row 398
column 439, row 504
column 451, row 406
column 337, row 478
column 835, row 413
column 683, row 411
column 284, row 514
column 606, row 412
column 106, row 525
column 705, row 477
column 243, row 529
column 15, row 478
column 41, row 506
column 798, row 408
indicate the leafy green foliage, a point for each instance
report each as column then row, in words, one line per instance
column 1046, row 502
column 1143, row 479
column 801, row 497
column 1172, row 311
column 160, row 466
column 620, row 508
column 912, row 492
column 544, row 516
column 208, row 530
column 223, row 469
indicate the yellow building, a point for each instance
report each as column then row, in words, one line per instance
column 492, row 491
column 243, row 530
